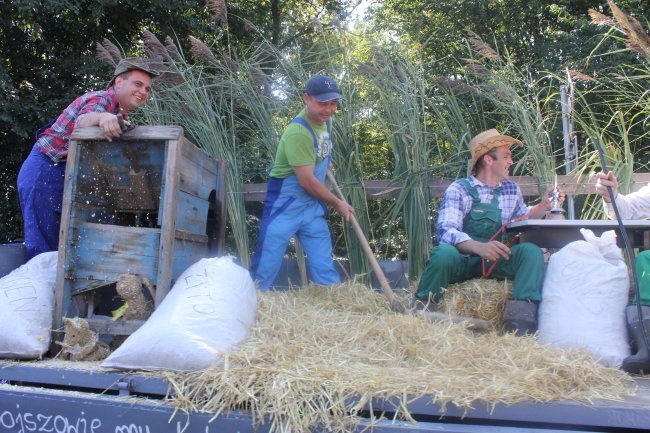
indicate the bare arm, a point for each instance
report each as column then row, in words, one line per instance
column 307, row 180
column 107, row 122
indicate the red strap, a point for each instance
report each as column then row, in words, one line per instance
column 512, row 241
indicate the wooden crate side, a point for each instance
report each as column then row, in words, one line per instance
column 191, row 213
column 187, row 253
column 199, row 173
column 108, row 251
column 156, row 132
column 127, row 175
column 62, row 295
column 167, row 218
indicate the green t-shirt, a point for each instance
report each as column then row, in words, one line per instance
column 296, row 147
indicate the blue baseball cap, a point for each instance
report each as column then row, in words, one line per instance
column 323, row 88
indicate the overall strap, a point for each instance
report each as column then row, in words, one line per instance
column 474, row 194
column 471, row 190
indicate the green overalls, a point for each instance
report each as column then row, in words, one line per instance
column 447, row 265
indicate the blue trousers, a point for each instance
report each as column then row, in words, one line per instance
column 309, row 225
column 40, row 191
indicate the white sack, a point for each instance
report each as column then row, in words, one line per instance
column 210, row 308
column 584, row 298
column 26, row 303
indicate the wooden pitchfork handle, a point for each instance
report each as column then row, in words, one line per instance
column 395, row 305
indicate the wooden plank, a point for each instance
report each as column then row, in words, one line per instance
column 183, row 235
column 191, row 153
column 106, row 325
column 158, row 132
column 191, row 213
column 387, row 189
column 62, row 293
column 168, row 220
column 186, row 254
column 106, row 251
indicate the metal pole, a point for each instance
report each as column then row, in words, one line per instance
column 570, row 141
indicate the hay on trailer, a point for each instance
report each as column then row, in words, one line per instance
column 80, row 343
column 479, row 298
column 317, row 356
column 130, row 289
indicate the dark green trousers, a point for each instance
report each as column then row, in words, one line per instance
column 447, row 265
column 643, row 275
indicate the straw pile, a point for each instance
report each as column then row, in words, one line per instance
column 129, row 287
column 479, row 298
column 80, row 343
column 317, row 356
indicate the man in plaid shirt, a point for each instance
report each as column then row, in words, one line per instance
column 40, row 180
column 472, row 211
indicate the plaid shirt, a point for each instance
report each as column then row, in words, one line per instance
column 457, row 202
column 53, row 142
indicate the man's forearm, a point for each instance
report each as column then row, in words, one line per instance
column 91, row 119
column 469, row 246
column 318, row 190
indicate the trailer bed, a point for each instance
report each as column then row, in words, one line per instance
column 36, row 397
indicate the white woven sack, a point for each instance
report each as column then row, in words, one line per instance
column 210, row 308
column 26, row 303
column 584, row 298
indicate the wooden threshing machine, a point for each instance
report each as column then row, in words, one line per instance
column 149, row 203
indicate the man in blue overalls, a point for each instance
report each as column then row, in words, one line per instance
column 296, row 195
column 40, row 180
column 472, row 211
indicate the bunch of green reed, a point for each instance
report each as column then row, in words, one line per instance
column 198, row 99
column 346, row 156
column 401, row 100
column 614, row 107
column 519, row 101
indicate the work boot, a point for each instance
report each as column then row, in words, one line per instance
column 639, row 363
column 520, row 317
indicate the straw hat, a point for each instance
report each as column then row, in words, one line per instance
column 486, row 141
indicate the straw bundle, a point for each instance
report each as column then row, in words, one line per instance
column 317, row 356
column 479, row 298
column 80, row 343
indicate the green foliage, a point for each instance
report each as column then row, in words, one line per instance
column 418, row 86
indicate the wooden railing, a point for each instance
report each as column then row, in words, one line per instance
column 386, row 189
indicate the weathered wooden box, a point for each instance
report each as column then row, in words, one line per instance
column 150, row 203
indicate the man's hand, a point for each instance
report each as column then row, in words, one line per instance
column 550, row 194
column 107, row 122
column 110, row 124
column 603, row 181
column 491, row 250
column 345, row 210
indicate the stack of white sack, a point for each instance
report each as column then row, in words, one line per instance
column 584, row 298
column 26, row 303
column 210, row 308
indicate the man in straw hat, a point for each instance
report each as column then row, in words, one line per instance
column 472, row 211
column 296, row 195
column 40, row 180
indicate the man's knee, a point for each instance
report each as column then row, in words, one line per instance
column 444, row 255
column 528, row 251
